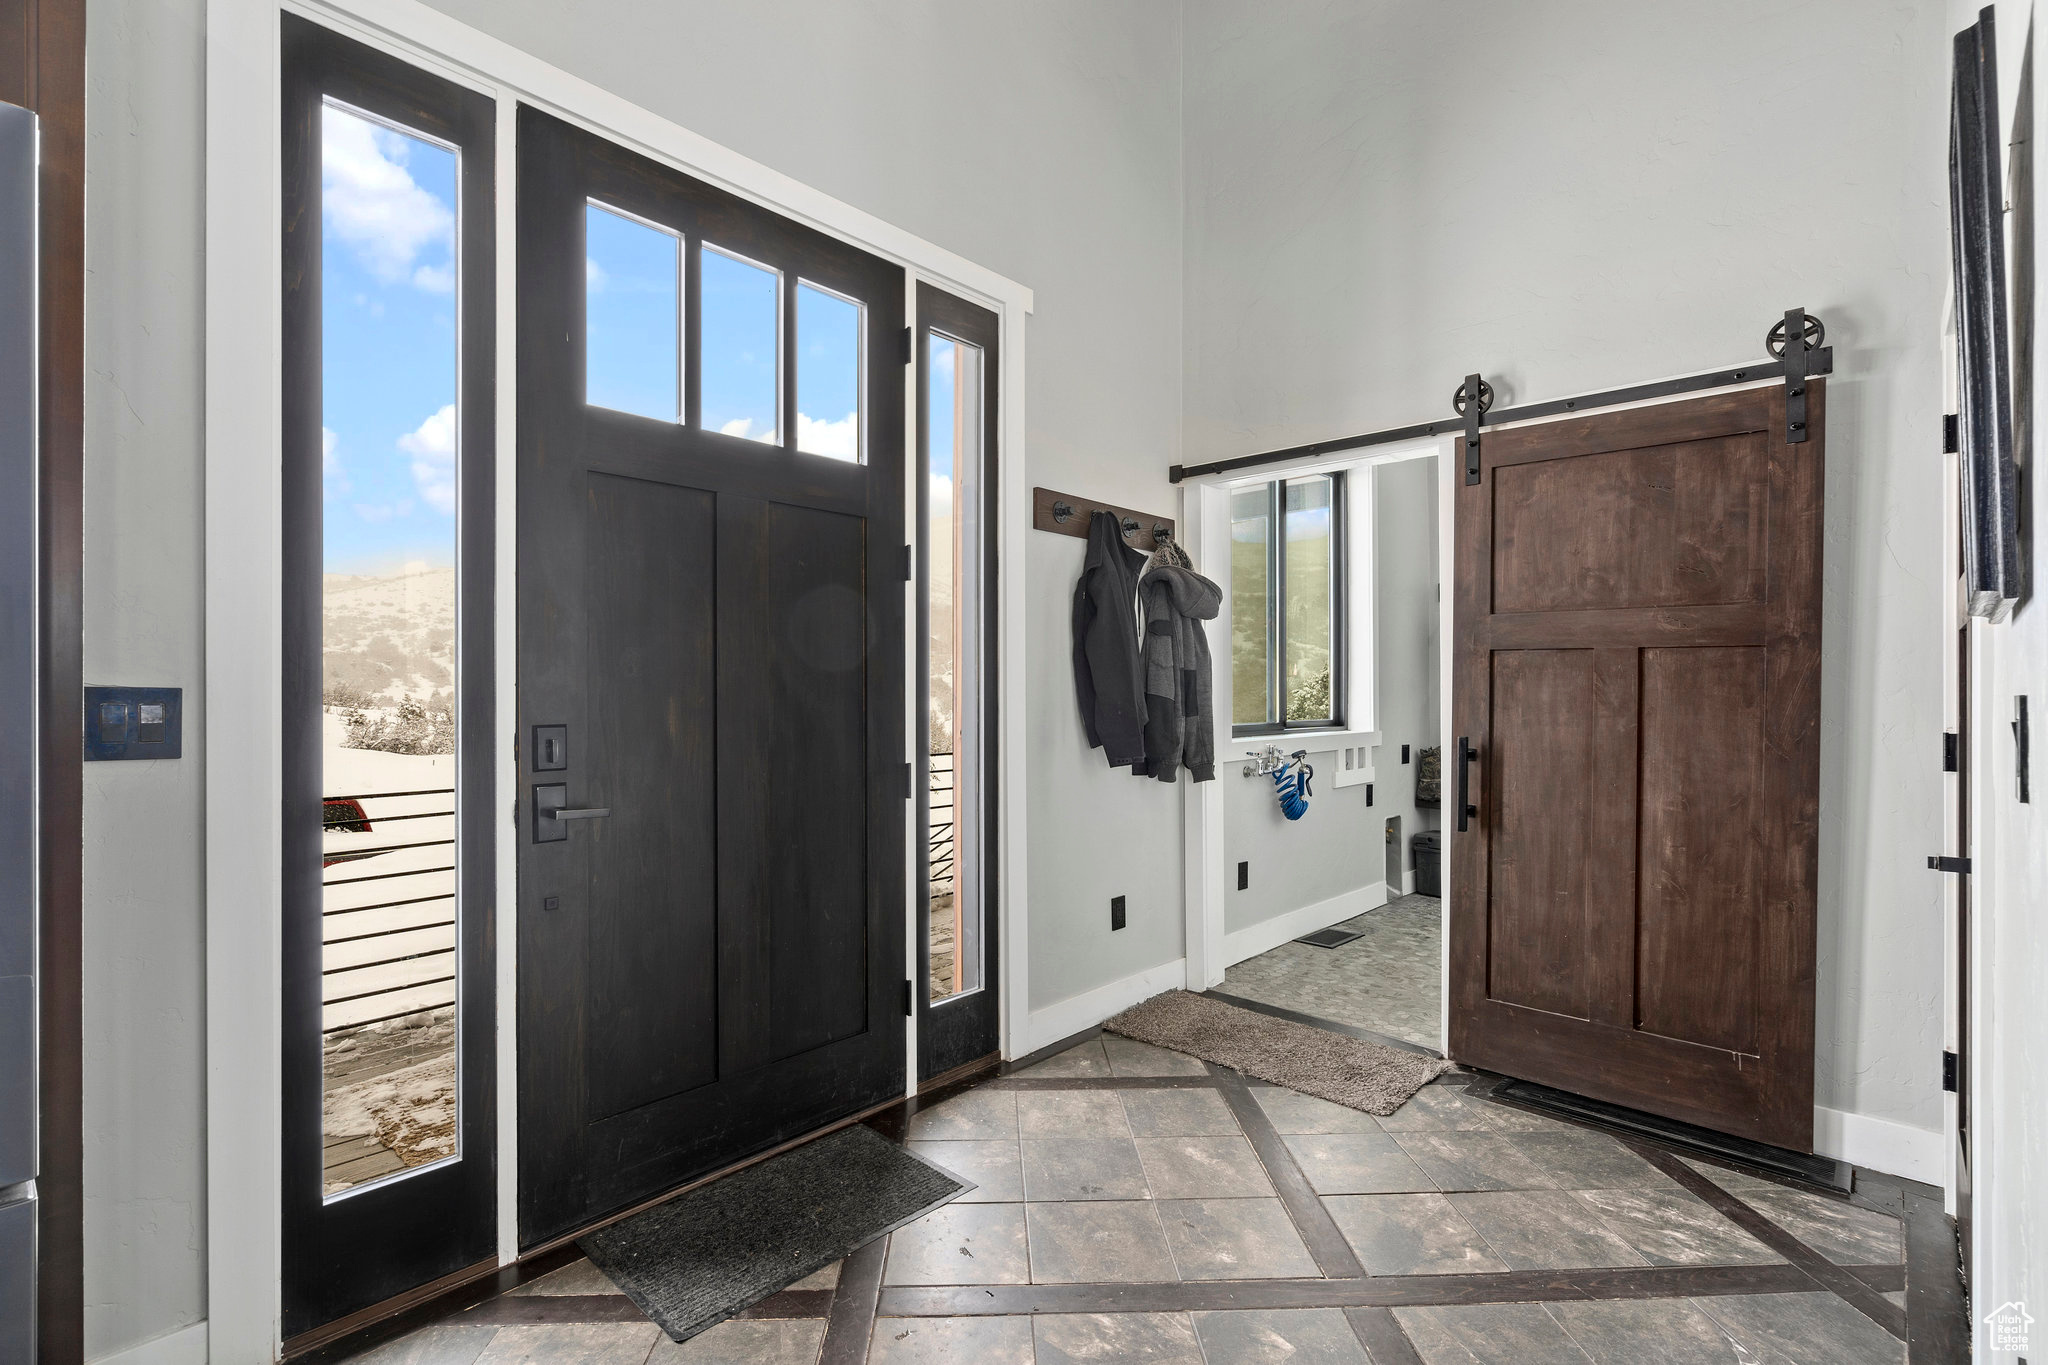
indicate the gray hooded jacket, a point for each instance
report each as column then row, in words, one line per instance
column 1179, row 731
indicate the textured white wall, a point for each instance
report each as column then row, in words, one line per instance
column 145, row 1088
column 1383, row 198
column 1407, row 621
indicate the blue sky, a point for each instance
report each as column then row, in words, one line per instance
column 389, row 344
column 388, row 347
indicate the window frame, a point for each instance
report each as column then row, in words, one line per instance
column 1277, row 722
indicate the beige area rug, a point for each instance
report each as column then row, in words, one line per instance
column 1371, row 1077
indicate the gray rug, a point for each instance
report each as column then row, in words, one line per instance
column 703, row 1256
column 1360, row 1075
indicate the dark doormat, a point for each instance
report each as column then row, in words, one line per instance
column 703, row 1256
column 1336, row 936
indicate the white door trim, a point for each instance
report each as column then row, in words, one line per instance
column 1205, row 530
column 244, row 377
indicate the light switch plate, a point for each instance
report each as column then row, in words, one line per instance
column 134, row 722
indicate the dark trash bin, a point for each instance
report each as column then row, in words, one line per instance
column 1428, row 847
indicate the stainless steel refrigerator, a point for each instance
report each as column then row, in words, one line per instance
column 19, row 735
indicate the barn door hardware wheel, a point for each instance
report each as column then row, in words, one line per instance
column 1471, row 401
column 1809, row 358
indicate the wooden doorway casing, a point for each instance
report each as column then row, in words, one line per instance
column 1637, row 618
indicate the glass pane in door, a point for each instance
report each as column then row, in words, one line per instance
column 632, row 315
column 388, row 694
column 739, row 346
column 828, row 338
column 952, row 531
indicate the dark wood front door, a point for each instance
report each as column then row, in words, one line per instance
column 714, row 620
column 1638, row 680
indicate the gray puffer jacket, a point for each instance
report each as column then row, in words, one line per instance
column 1179, row 731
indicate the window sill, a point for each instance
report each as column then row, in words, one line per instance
column 1312, row 741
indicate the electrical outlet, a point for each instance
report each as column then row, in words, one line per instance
column 1116, row 913
column 1404, row 753
column 1244, row 875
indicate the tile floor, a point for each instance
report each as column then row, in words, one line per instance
column 1138, row 1205
column 1387, row 981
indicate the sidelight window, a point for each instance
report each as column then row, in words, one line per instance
column 1287, row 605
column 390, row 417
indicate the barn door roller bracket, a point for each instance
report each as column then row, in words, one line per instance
column 1472, row 399
column 1809, row 358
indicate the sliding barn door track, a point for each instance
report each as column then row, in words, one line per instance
column 1473, row 402
column 1823, row 1171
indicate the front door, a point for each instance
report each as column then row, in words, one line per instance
column 1638, row 691
column 711, row 617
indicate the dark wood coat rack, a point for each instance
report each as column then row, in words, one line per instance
column 1067, row 515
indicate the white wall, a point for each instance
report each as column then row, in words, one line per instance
column 1407, row 620
column 145, row 1088
column 1041, row 141
column 1330, row 851
column 1382, row 199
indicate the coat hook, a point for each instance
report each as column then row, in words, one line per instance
column 1160, row 531
column 1130, row 525
column 1061, row 511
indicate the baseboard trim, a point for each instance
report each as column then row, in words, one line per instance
column 1084, row 1011
column 185, row 1346
column 1269, row 934
column 1880, row 1145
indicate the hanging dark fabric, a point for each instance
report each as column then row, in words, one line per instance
column 1179, row 730
column 1108, row 667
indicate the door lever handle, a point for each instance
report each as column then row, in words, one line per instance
column 551, row 810
column 1466, row 810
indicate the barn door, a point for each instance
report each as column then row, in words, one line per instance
column 1637, row 708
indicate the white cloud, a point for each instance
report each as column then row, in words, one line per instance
column 942, row 496
column 743, row 427
column 593, row 276
column 840, row 439
column 334, row 482
column 942, row 359
column 384, row 511
column 432, row 447
column 373, row 203
column 434, row 279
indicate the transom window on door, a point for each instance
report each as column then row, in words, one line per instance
column 639, row 357
column 1287, row 621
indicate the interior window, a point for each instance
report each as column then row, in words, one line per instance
column 1286, row 604
column 632, row 315
column 828, row 337
column 388, row 729
column 739, row 346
